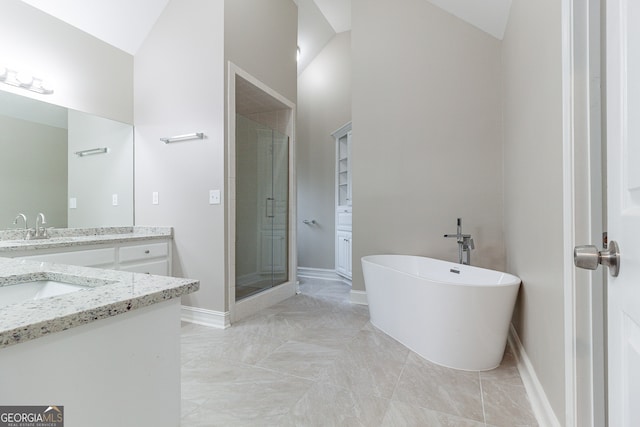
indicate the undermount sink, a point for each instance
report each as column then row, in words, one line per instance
column 35, row 290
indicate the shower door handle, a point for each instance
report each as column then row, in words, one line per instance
column 268, row 207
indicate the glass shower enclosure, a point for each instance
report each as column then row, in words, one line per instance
column 262, row 206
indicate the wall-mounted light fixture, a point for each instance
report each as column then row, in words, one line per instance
column 197, row 135
column 24, row 80
column 92, row 151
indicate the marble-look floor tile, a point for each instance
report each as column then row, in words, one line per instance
column 316, row 360
column 231, row 344
column 300, row 359
column 336, row 338
column 281, row 325
column 327, row 405
column 506, row 372
column 506, row 404
column 404, row 415
column 253, row 395
column 441, row 389
column 370, row 364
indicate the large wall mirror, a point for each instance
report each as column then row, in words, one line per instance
column 74, row 167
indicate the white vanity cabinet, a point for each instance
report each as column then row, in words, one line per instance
column 100, row 257
column 344, row 238
column 151, row 256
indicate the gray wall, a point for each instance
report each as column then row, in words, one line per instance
column 179, row 89
column 94, row 179
column 324, row 105
column 260, row 37
column 33, row 172
column 427, row 126
column 87, row 74
column 532, row 59
column 199, row 36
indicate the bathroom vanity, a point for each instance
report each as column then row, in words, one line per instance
column 136, row 249
column 105, row 343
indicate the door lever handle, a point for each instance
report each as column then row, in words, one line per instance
column 589, row 257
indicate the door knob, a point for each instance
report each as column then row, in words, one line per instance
column 589, row 257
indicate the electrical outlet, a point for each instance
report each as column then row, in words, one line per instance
column 214, row 197
column 155, row 198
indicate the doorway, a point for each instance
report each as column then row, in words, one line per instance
column 261, row 176
column 262, row 170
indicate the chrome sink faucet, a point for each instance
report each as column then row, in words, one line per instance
column 465, row 244
column 41, row 231
column 27, row 230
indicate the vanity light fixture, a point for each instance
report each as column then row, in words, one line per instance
column 197, row 135
column 92, row 151
column 24, row 80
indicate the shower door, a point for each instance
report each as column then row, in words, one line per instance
column 262, row 207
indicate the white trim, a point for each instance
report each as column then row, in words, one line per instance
column 201, row 316
column 539, row 402
column 236, row 313
column 320, row 273
column 255, row 303
column 359, row 297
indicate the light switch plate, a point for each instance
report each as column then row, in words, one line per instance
column 114, row 199
column 155, row 198
column 73, row 203
column 214, row 197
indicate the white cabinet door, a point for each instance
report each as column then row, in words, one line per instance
column 343, row 253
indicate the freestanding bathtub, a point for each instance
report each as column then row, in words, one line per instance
column 451, row 314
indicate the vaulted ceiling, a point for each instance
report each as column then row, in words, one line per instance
column 125, row 23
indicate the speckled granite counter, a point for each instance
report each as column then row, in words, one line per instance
column 111, row 293
column 13, row 240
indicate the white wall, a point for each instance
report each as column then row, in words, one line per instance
column 533, row 185
column 87, row 74
column 427, row 126
column 95, row 179
column 33, row 172
column 179, row 75
column 260, row 38
column 324, row 105
column 180, row 88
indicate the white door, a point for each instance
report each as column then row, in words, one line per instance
column 623, row 208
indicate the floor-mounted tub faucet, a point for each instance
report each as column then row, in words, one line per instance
column 465, row 244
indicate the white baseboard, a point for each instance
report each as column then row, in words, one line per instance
column 255, row 303
column 538, row 398
column 359, row 297
column 318, row 273
column 201, row 316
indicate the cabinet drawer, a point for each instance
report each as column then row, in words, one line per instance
column 344, row 220
column 142, row 252
column 90, row 258
column 160, row 268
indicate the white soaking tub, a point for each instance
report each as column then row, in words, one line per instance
column 451, row 314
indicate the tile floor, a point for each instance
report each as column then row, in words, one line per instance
column 315, row 360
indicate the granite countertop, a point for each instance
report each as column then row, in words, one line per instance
column 13, row 240
column 109, row 293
